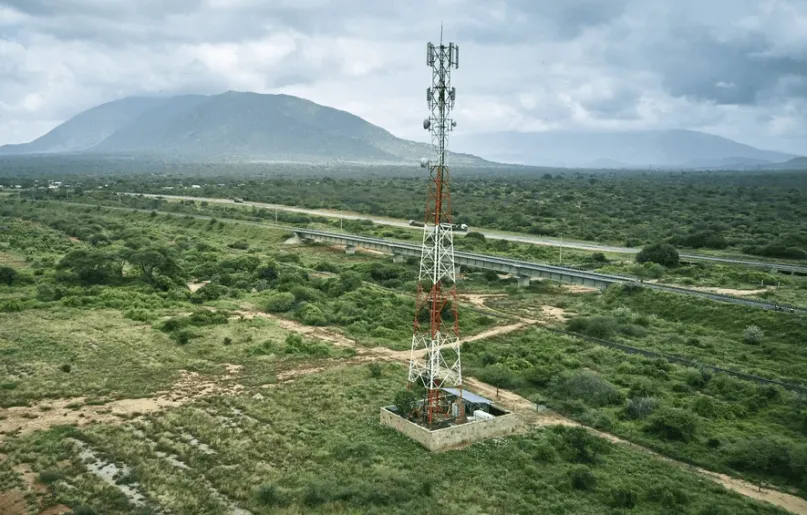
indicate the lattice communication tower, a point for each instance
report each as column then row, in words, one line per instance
column 435, row 356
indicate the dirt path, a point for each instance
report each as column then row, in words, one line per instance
column 194, row 287
column 721, row 291
column 730, row 291
column 526, row 410
column 478, row 299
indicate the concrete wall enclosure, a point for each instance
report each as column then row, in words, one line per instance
column 454, row 436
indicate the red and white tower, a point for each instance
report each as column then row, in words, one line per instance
column 435, row 356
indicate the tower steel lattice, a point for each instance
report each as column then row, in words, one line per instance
column 435, row 356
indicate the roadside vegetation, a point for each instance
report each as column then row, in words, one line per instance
column 759, row 213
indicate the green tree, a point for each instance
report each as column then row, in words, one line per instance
column 91, row 266
column 663, row 254
column 155, row 260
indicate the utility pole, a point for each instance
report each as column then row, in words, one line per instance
column 560, row 251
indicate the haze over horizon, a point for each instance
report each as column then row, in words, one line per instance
column 734, row 69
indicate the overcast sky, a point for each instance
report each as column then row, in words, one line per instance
column 736, row 68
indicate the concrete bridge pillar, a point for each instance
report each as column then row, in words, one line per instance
column 398, row 258
column 523, row 280
column 350, row 249
column 457, row 271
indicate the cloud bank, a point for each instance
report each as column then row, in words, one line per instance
column 736, row 68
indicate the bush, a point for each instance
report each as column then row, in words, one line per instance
column 639, row 408
column 46, row 292
column 280, row 302
column 405, row 402
column 228, row 340
column 623, row 497
column 753, row 335
column 597, row 326
column 66, row 368
column 139, row 315
column 663, row 254
column 12, row 306
column 49, row 476
column 375, row 370
column 579, row 445
column 183, row 337
column 582, row 478
column 7, row 275
column 769, row 457
column 240, row 244
column 705, row 407
column 590, row 388
column 271, row 495
column 673, row 424
column 310, row 314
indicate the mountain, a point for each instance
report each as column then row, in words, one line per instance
column 87, row 129
column 666, row 149
column 230, row 126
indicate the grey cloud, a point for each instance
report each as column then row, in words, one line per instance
column 727, row 65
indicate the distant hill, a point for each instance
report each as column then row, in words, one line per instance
column 664, row 149
column 230, row 126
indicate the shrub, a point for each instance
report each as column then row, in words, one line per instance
column 769, row 457
column 597, row 326
column 208, row 292
column 705, row 407
column 499, row 375
column 183, row 337
column 599, row 257
column 582, row 478
column 697, row 378
column 623, row 497
column 240, row 244
column 49, row 476
column 375, row 370
column 228, row 340
column 271, row 495
column 203, row 318
column 66, row 368
column 673, row 424
column 590, row 388
column 7, row 275
column 310, row 314
column 405, row 402
column 640, row 407
column 663, row 254
column 46, row 292
column 753, row 335
column 279, row 302
column 622, row 312
column 579, row 445
column 11, row 306
column 327, row 266
column 139, row 315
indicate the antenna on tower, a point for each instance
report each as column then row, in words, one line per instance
column 435, row 355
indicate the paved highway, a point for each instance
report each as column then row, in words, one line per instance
column 534, row 240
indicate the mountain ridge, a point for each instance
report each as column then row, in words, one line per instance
column 246, row 126
column 229, row 126
column 674, row 148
